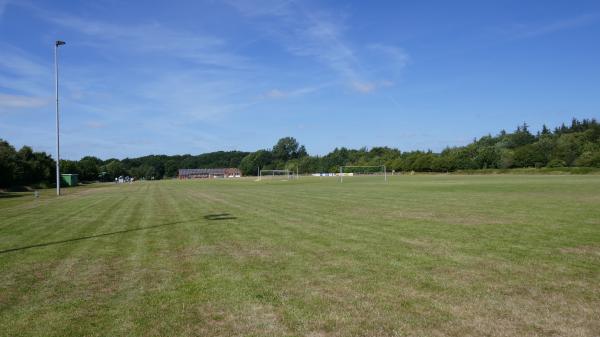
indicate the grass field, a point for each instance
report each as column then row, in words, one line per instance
column 439, row 255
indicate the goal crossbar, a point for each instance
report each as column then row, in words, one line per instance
column 288, row 174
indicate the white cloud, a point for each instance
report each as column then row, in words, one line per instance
column 386, row 83
column 321, row 35
column 95, row 125
column 186, row 82
column 147, row 38
column 309, row 35
column 363, row 87
column 218, row 82
column 22, row 72
column 396, row 56
column 522, row 31
column 3, row 5
column 261, row 7
column 275, row 93
column 279, row 93
column 367, row 87
column 21, row 102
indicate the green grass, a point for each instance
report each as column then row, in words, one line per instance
column 434, row 255
column 532, row 170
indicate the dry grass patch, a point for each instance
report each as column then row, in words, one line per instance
column 592, row 251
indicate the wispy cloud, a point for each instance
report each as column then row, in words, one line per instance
column 17, row 61
column 320, row 35
column 179, row 85
column 216, row 80
column 24, row 80
column 186, row 82
column 95, row 125
column 255, row 8
column 22, row 102
column 397, row 57
column 277, row 93
column 146, row 38
column 531, row 30
column 3, row 5
column 363, row 87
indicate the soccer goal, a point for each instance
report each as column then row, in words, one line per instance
column 275, row 175
column 364, row 170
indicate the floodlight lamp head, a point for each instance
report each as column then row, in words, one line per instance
column 60, row 43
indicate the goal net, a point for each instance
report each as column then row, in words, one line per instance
column 363, row 170
column 275, row 175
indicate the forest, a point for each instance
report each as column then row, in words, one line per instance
column 569, row 145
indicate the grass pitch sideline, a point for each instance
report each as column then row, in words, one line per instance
column 421, row 255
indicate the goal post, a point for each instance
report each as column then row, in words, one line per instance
column 351, row 170
column 275, row 174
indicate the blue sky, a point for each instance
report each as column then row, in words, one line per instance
column 180, row 77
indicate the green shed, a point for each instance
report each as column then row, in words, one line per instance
column 69, row 179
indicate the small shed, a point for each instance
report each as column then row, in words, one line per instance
column 69, row 179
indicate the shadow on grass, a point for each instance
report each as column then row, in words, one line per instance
column 11, row 195
column 223, row 216
column 220, row 216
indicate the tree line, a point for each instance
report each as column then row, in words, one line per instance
column 574, row 145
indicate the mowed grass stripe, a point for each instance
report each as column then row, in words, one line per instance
column 50, row 281
column 305, row 229
column 422, row 255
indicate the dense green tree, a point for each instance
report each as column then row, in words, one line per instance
column 423, row 162
column 114, row 169
column 69, row 166
column 487, row 157
column 288, row 148
column 442, row 164
column 308, row 164
column 171, row 168
column 567, row 148
column 89, row 168
column 42, row 169
column 260, row 159
column 34, row 167
column 528, row 156
column 556, row 163
column 507, row 158
column 335, row 159
column 589, row 159
column 545, row 130
column 520, row 137
column 24, row 167
column 8, row 164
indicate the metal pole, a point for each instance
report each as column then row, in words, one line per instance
column 341, row 175
column 57, row 120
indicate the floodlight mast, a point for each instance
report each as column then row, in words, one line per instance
column 56, row 45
